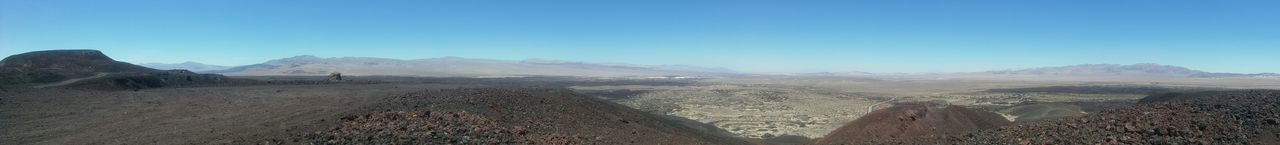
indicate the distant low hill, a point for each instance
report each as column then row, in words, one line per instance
column 1146, row 69
column 912, row 121
column 90, row 69
column 458, row 67
column 191, row 66
column 57, row 65
column 848, row 73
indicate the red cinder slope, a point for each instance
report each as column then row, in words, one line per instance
column 912, row 121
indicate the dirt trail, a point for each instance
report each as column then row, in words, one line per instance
column 873, row 106
column 71, row 81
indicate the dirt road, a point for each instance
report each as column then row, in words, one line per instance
column 873, row 106
column 70, row 81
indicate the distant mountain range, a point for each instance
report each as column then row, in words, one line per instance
column 458, row 67
column 1145, row 69
column 69, row 67
column 471, row 67
column 1140, row 69
column 191, row 66
column 848, row 73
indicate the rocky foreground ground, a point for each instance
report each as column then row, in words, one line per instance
column 491, row 116
column 1225, row 117
column 1236, row 117
column 429, row 114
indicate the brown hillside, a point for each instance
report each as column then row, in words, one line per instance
column 912, row 121
column 91, row 69
column 508, row 116
column 1223, row 117
column 57, row 65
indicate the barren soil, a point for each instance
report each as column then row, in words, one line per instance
column 206, row 115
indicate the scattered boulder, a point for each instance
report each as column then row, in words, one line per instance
column 335, row 76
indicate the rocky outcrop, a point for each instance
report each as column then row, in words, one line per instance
column 335, row 76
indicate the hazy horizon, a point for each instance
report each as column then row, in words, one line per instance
column 996, row 69
column 748, row 36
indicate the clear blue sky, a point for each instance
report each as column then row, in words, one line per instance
column 747, row 35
